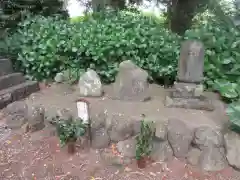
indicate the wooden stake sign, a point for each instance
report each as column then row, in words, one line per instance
column 83, row 108
column 83, row 113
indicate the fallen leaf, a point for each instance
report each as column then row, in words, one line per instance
column 8, row 142
column 152, row 174
column 127, row 169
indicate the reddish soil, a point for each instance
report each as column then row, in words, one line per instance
column 36, row 157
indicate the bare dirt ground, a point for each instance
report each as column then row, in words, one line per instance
column 38, row 156
column 64, row 96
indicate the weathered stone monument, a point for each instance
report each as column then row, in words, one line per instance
column 131, row 83
column 188, row 90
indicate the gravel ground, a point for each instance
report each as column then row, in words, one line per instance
column 33, row 156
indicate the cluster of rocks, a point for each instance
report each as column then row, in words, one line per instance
column 207, row 148
column 89, row 83
column 131, row 83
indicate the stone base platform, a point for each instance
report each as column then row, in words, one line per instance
column 189, row 103
column 187, row 90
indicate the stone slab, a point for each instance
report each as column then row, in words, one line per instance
column 187, row 90
column 5, row 67
column 190, row 103
column 17, row 92
column 10, row 80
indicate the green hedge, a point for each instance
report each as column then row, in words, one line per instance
column 44, row 46
column 49, row 45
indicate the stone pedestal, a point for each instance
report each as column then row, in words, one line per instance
column 189, row 96
column 193, row 103
column 187, row 91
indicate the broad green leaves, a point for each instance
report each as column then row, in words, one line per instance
column 222, row 57
column 69, row 129
column 233, row 112
column 50, row 45
column 227, row 89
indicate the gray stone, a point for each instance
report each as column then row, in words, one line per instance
column 18, row 107
column 90, row 84
column 206, row 136
column 64, row 114
column 179, row 137
column 127, row 147
column 10, row 80
column 131, row 83
column 47, row 132
column 98, row 120
column 61, row 114
column 4, row 134
column 189, row 103
column 161, row 151
column 232, row 145
column 136, row 127
column 67, row 74
column 187, row 90
column 100, row 138
column 17, row 92
column 5, row 99
column 212, row 159
column 5, row 67
column 193, row 156
column 59, row 78
column 191, row 63
column 113, row 159
column 16, row 114
column 119, row 127
column 36, row 118
column 161, row 130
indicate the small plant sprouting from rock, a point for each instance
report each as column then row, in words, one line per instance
column 144, row 140
column 70, row 130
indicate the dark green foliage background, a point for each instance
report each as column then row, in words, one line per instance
column 14, row 11
column 43, row 46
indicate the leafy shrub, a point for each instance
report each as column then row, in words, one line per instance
column 38, row 45
column 233, row 112
column 50, row 45
column 222, row 57
column 69, row 130
column 144, row 140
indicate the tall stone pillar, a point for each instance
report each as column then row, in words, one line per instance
column 188, row 89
